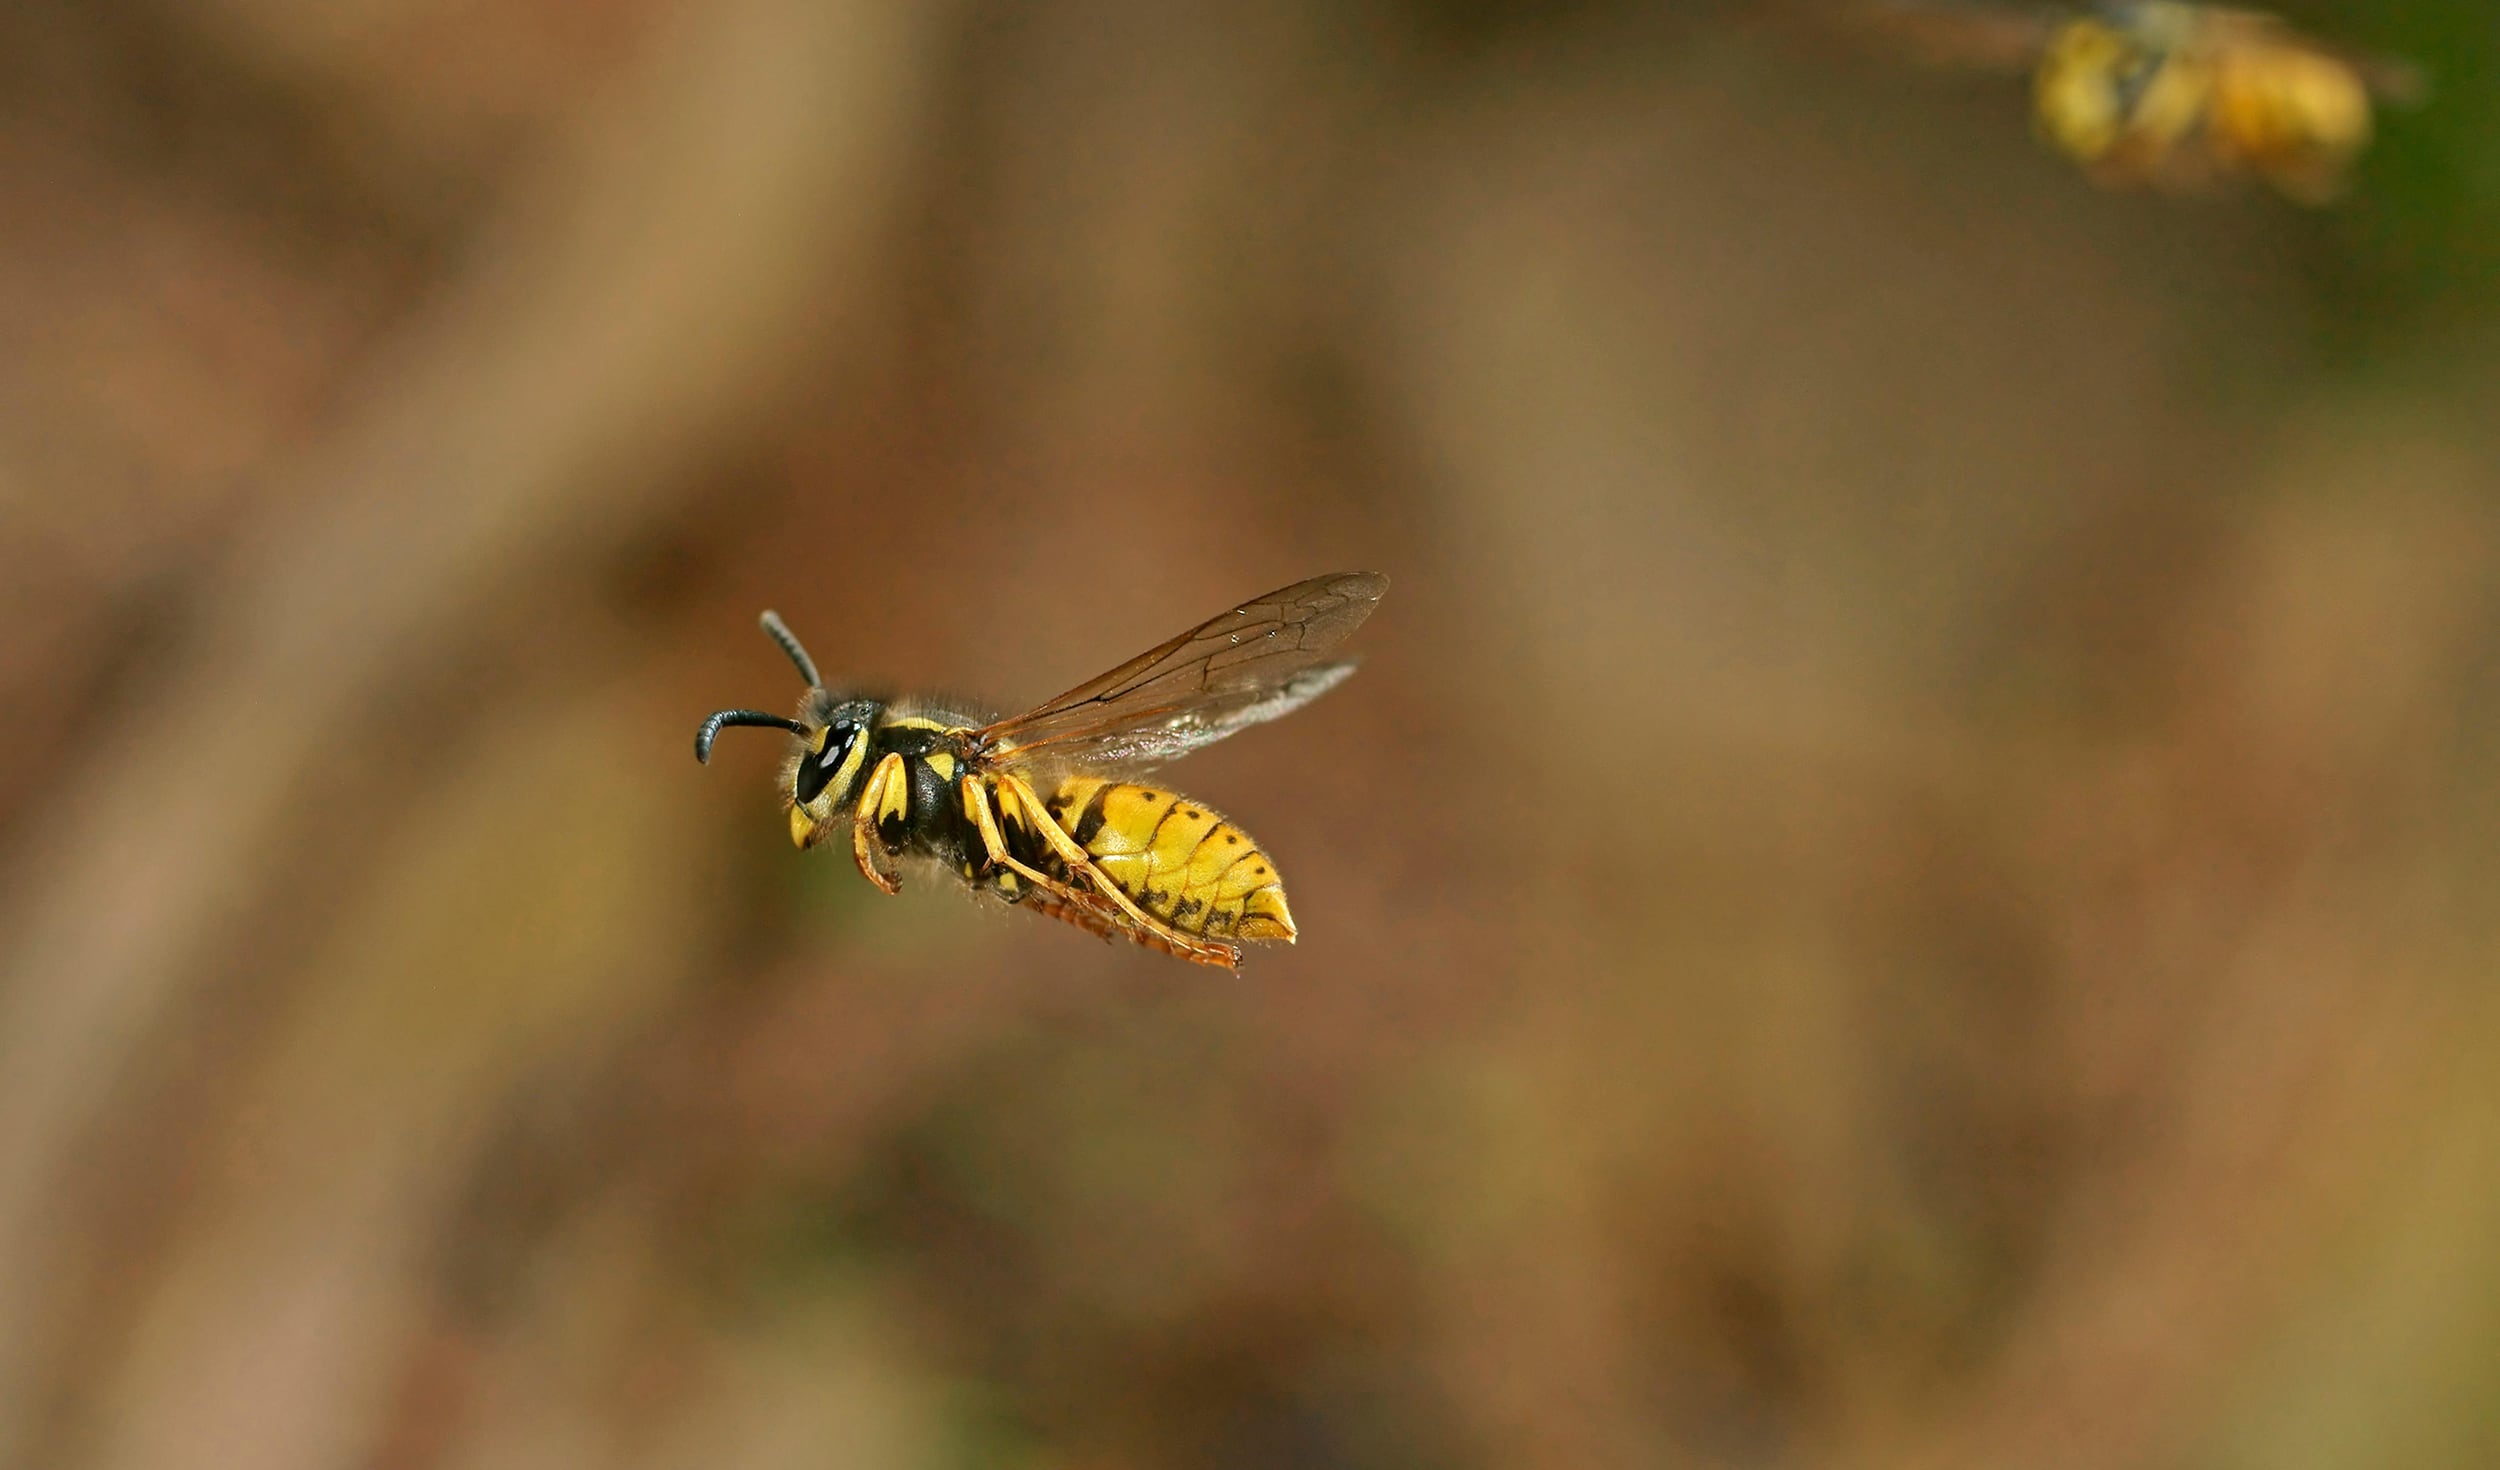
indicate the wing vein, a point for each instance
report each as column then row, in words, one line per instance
column 1237, row 669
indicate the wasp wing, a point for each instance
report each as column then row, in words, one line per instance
column 1252, row 663
column 2387, row 78
column 1944, row 33
column 1133, row 750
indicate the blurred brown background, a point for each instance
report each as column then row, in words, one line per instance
column 1909, row 880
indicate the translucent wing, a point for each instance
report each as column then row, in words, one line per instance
column 2388, row 78
column 1252, row 663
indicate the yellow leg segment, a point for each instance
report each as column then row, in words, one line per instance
column 1145, row 926
column 872, row 797
column 977, row 802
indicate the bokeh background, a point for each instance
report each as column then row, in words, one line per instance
column 1910, row 880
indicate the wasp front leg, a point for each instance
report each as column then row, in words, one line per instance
column 888, row 791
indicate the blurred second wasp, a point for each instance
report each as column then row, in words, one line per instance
column 2168, row 95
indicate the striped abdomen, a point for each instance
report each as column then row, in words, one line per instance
column 1175, row 859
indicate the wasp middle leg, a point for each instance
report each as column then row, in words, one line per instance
column 1119, row 912
column 1162, row 935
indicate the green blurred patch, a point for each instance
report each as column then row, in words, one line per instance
column 2413, row 259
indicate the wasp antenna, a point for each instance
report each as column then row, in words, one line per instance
column 720, row 721
column 780, row 633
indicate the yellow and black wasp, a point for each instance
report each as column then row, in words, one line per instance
column 2172, row 95
column 1038, row 809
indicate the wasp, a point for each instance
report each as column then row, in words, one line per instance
column 2173, row 95
column 1041, row 810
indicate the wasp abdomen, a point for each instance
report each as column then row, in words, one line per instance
column 1175, row 858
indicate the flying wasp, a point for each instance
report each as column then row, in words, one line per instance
column 2171, row 95
column 1040, row 810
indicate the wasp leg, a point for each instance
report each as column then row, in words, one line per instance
column 1105, row 922
column 994, row 846
column 1093, row 916
column 887, row 777
column 1041, row 893
column 1086, row 910
column 1160, row 934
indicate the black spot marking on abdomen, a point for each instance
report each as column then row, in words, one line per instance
column 1089, row 822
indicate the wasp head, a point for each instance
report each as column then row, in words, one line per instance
column 822, row 774
column 821, row 778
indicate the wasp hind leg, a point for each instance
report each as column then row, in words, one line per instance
column 885, row 784
column 1110, row 925
column 1148, row 930
column 1089, row 910
column 1106, row 911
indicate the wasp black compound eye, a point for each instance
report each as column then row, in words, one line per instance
column 818, row 770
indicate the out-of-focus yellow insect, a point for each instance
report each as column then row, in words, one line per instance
column 1037, row 809
column 2176, row 96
